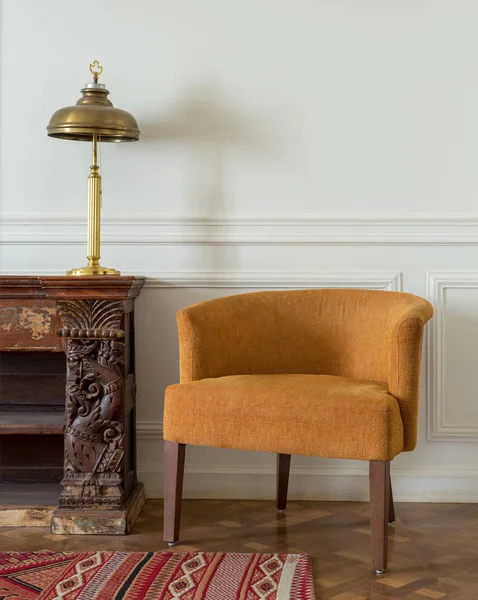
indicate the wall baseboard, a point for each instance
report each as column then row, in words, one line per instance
column 247, row 482
column 338, row 482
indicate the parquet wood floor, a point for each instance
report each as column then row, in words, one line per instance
column 433, row 547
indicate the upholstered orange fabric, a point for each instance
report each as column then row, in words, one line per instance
column 362, row 335
column 290, row 414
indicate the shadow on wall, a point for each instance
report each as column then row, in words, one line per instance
column 216, row 135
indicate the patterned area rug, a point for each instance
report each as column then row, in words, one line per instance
column 154, row 576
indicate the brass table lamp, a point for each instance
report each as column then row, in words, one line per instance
column 94, row 119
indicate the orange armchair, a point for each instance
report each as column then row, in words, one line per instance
column 327, row 372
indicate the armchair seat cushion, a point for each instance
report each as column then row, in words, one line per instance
column 314, row 415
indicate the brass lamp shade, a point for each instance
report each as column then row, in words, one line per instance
column 93, row 119
column 93, row 113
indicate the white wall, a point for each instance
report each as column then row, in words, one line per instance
column 284, row 144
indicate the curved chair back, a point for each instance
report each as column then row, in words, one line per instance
column 343, row 332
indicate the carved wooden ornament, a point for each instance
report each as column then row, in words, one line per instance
column 94, row 427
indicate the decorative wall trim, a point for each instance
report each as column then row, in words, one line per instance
column 450, row 485
column 345, row 229
column 274, row 280
column 437, row 429
column 373, row 280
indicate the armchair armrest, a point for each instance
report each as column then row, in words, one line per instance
column 404, row 364
column 223, row 336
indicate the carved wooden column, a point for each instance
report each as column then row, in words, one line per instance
column 100, row 492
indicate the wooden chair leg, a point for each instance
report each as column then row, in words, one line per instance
column 173, row 489
column 391, row 507
column 283, row 468
column 379, row 511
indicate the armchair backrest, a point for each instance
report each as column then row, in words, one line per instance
column 345, row 332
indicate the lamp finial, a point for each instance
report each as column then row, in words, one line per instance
column 96, row 69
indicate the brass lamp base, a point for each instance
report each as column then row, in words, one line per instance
column 94, row 270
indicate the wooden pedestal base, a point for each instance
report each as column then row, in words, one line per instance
column 99, row 522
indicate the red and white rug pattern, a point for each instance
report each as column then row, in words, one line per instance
column 154, row 576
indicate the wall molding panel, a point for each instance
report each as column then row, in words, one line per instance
column 437, row 428
column 339, row 481
column 274, row 280
column 344, row 229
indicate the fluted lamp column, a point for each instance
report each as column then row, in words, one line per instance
column 94, row 119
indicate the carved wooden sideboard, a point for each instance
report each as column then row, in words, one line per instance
column 67, row 427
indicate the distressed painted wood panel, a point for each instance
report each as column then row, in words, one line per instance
column 29, row 324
